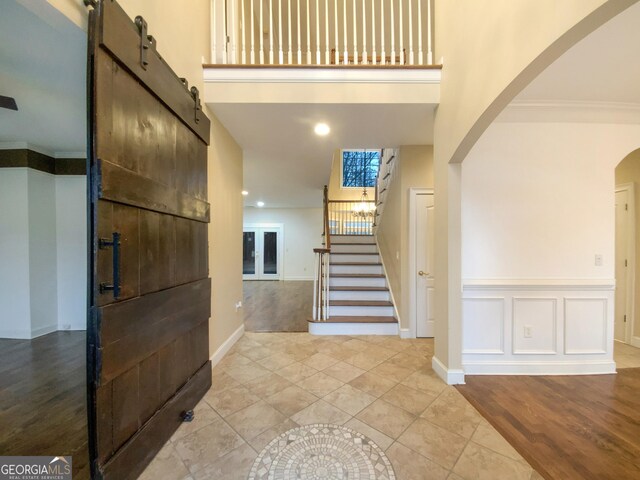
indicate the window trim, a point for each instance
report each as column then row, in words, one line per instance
column 342, row 150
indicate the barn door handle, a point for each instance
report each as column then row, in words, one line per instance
column 114, row 243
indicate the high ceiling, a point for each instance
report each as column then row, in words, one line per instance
column 43, row 62
column 286, row 164
column 604, row 67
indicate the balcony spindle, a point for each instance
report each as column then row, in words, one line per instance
column 336, row 56
column 271, row 32
column 429, row 48
column 355, row 34
column 251, row 33
column 299, row 42
column 411, row 58
column 243, row 58
column 401, row 42
column 393, row 34
column 214, row 31
column 308, row 34
column 289, row 50
column 261, row 33
column 326, row 32
column 364, row 32
column 318, row 32
column 280, row 40
column 345, row 58
column 420, row 53
column 374, row 56
column 383, row 59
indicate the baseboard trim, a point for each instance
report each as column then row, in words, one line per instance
column 296, row 278
column 16, row 334
column 38, row 332
column 635, row 342
column 540, row 368
column 226, row 345
column 329, row 328
column 406, row 333
column 450, row 376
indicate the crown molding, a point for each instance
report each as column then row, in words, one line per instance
column 543, row 111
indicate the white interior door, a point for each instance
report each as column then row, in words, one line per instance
column 262, row 253
column 425, row 232
column 622, row 256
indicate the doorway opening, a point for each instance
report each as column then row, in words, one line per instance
column 626, row 327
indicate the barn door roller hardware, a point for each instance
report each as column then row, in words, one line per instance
column 146, row 41
column 198, row 107
column 114, row 243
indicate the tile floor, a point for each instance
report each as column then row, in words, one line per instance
column 382, row 387
column 625, row 355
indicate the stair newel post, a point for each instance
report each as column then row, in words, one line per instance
column 326, row 287
column 315, row 288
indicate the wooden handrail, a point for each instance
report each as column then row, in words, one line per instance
column 327, row 230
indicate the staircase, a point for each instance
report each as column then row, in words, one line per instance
column 359, row 298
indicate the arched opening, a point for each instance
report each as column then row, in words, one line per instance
column 626, row 328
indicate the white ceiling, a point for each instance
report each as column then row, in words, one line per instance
column 602, row 68
column 286, row 164
column 43, row 66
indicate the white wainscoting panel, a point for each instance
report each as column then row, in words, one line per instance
column 537, row 327
column 538, row 315
column 585, row 325
column 484, row 332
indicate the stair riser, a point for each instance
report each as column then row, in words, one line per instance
column 373, row 258
column 359, row 311
column 356, row 269
column 357, row 295
column 352, row 239
column 354, row 248
column 357, row 282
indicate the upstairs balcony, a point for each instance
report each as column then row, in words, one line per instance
column 327, row 33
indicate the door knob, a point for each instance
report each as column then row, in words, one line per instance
column 422, row 274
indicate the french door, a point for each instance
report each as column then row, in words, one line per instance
column 262, row 252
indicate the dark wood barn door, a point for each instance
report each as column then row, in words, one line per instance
column 149, row 298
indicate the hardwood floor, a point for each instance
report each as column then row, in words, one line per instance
column 43, row 398
column 277, row 306
column 577, row 427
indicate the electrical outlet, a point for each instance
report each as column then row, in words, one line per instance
column 527, row 331
column 598, row 260
column 238, row 306
column 397, row 255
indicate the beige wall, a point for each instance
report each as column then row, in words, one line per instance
column 225, row 234
column 628, row 171
column 490, row 50
column 414, row 169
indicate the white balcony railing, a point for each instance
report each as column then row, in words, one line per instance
column 322, row 32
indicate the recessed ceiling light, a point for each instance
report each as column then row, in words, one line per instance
column 322, row 129
column 260, row 204
column 245, row 193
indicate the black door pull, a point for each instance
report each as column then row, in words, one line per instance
column 104, row 243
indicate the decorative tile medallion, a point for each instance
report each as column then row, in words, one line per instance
column 322, row 452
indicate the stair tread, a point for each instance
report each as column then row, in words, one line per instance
column 354, row 253
column 358, row 320
column 355, row 243
column 360, row 303
column 357, row 275
column 356, row 263
column 359, row 289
